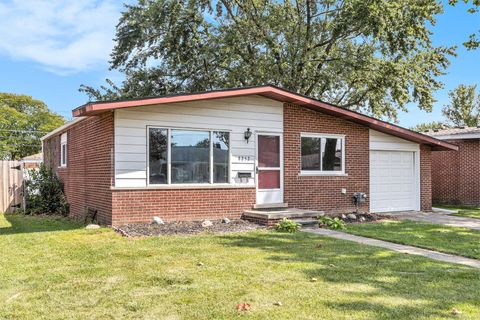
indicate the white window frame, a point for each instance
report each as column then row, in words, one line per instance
column 169, row 157
column 63, row 153
column 322, row 172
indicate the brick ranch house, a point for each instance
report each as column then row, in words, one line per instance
column 456, row 175
column 216, row 154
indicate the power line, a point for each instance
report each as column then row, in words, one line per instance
column 20, row 145
column 24, row 131
column 21, row 137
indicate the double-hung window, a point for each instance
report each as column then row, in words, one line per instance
column 178, row 156
column 63, row 150
column 323, row 154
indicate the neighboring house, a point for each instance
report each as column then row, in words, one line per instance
column 33, row 161
column 215, row 154
column 456, row 174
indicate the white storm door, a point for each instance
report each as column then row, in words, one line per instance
column 269, row 168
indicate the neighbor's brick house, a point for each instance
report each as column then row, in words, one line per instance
column 191, row 157
column 456, row 174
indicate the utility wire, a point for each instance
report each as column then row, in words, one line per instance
column 20, row 145
column 21, row 137
column 24, row 131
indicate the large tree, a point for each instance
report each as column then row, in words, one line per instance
column 23, row 120
column 464, row 106
column 374, row 56
column 474, row 39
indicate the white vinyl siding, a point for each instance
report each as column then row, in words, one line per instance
column 234, row 115
column 394, row 173
column 382, row 141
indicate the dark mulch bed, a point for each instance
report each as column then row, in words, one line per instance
column 185, row 227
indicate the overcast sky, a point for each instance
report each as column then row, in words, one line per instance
column 48, row 48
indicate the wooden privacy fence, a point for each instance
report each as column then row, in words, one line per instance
column 11, row 185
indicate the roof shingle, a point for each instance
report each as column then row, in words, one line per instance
column 453, row 131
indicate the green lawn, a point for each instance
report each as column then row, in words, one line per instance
column 459, row 241
column 54, row 269
column 462, row 211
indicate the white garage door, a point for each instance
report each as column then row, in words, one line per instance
column 392, row 181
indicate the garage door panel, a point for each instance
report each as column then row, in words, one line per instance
column 392, row 181
column 397, row 188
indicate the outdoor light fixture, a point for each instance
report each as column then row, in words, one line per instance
column 248, row 134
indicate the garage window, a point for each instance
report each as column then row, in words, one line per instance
column 323, row 154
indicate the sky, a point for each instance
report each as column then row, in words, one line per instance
column 48, row 48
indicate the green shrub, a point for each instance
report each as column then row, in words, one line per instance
column 287, row 225
column 44, row 193
column 331, row 223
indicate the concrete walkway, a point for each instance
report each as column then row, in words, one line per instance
column 439, row 218
column 444, row 257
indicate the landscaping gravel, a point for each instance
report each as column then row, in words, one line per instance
column 185, row 227
column 363, row 217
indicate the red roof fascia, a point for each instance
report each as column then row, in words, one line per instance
column 274, row 93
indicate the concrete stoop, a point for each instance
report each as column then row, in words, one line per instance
column 270, row 216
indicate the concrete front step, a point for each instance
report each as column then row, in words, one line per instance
column 307, row 222
column 270, row 206
column 290, row 213
column 272, row 216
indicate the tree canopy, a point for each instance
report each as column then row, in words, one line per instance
column 422, row 127
column 462, row 110
column 372, row 56
column 23, row 120
column 464, row 106
column 474, row 39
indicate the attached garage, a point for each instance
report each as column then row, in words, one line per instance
column 394, row 174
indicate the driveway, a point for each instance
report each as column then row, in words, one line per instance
column 439, row 218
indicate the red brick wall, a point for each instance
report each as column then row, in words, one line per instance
column 87, row 176
column 324, row 192
column 456, row 174
column 425, row 178
column 180, row 204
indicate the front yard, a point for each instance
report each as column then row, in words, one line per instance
column 54, row 268
column 458, row 241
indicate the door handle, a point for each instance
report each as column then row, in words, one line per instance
column 256, row 169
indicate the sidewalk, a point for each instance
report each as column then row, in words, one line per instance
column 444, row 257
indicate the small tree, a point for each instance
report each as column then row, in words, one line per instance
column 44, row 193
column 464, row 107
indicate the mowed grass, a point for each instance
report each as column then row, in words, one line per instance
column 462, row 211
column 55, row 269
column 459, row 241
